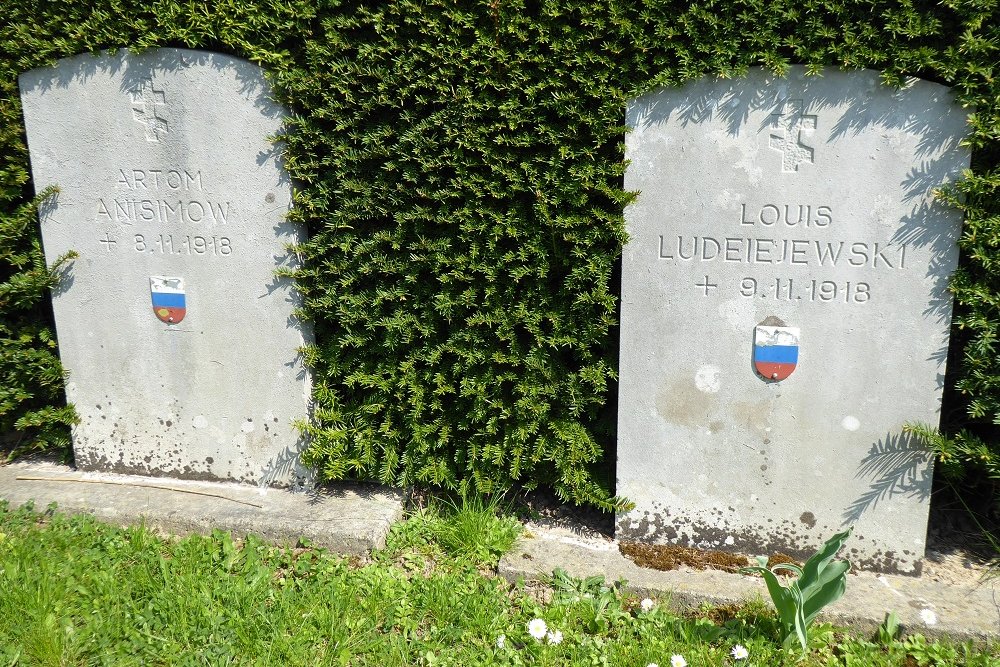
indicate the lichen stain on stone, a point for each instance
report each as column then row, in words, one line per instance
column 682, row 403
column 170, row 465
column 257, row 443
column 164, row 471
column 785, row 540
column 809, row 519
column 888, row 562
column 755, row 415
column 650, row 528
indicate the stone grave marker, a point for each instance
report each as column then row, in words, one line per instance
column 785, row 312
column 180, row 341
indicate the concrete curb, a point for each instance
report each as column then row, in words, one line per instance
column 354, row 520
column 962, row 612
column 349, row 520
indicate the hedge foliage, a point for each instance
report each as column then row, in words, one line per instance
column 460, row 167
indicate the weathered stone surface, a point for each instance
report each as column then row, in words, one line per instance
column 963, row 610
column 347, row 519
column 775, row 210
column 178, row 337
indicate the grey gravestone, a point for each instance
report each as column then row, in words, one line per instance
column 785, row 312
column 180, row 342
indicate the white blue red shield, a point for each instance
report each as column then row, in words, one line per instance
column 775, row 351
column 169, row 302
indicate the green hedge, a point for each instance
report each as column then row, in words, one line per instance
column 460, row 168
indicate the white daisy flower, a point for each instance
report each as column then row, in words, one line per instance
column 739, row 652
column 537, row 628
column 554, row 637
column 501, row 641
column 928, row 616
column 678, row 661
column 646, row 604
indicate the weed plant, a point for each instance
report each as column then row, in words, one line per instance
column 472, row 530
column 74, row 591
column 819, row 582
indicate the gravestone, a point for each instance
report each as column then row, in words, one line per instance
column 179, row 339
column 785, row 312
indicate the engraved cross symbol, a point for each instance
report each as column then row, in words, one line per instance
column 707, row 285
column 145, row 99
column 108, row 241
column 791, row 120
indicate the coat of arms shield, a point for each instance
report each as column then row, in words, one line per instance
column 775, row 351
column 169, row 302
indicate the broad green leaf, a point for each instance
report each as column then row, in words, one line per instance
column 783, row 598
column 831, row 590
column 799, row 623
column 813, row 569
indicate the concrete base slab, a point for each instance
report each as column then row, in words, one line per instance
column 347, row 520
column 962, row 612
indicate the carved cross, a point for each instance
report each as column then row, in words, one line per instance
column 706, row 285
column 145, row 99
column 791, row 120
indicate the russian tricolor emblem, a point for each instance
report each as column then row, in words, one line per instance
column 775, row 351
column 169, row 303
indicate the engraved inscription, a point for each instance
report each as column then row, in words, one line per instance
column 153, row 179
column 794, row 252
column 159, row 197
column 132, row 211
column 145, row 99
column 791, row 289
column 169, row 244
column 791, row 119
column 706, row 285
column 811, row 254
column 173, row 197
column 791, row 215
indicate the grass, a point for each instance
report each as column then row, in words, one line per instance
column 473, row 530
column 74, row 591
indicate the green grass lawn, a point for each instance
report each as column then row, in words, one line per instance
column 74, row 591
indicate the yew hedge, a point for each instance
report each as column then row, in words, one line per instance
column 459, row 167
